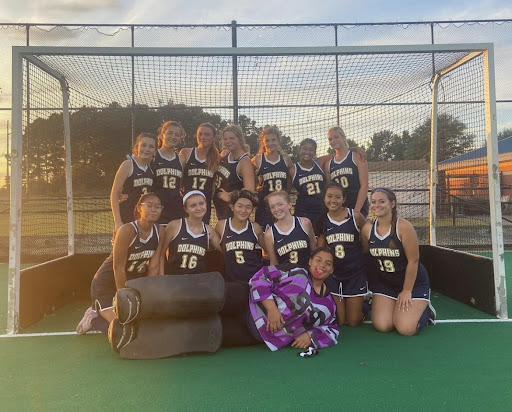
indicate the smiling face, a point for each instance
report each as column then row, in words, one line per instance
column 230, row 141
column 321, row 265
column 195, row 206
column 334, row 199
column 380, row 205
column 172, row 136
column 205, row 136
column 146, row 148
column 307, row 152
column 150, row 209
column 336, row 139
column 271, row 143
column 279, row 206
column 242, row 208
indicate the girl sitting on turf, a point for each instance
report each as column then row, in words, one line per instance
column 133, row 178
column 309, row 181
column 187, row 239
column 168, row 171
column 235, row 171
column 241, row 239
column 273, row 171
column 201, row 163
column 339, row 229
column 400, row 284
column 290, row 239
column 294, row 306
column 133, row 256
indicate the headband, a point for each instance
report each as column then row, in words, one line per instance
column 192, row 193
column 383, row 191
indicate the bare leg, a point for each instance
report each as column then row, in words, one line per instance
column 340, row 309
column 406, row 323
column 354, row 310
column 383, row 309
column 108, row 314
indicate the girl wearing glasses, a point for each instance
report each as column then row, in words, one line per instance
column 134, row 255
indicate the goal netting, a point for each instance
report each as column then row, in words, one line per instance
column 89, row 103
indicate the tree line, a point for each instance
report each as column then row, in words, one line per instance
column 101, row 138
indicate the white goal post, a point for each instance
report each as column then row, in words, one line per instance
column 300, row 84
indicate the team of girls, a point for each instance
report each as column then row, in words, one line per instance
column 134, row 255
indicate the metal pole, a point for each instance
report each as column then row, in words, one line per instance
column 69, row 180
column 132, row 113
column 337, row 77
column 7, row 161
column 433, row 162
column 27, row 129
column 493, row 170
column 16, row 188
column 234, row 60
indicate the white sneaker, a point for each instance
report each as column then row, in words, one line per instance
column 85, row 325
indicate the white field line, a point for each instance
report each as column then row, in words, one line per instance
column 32, row 335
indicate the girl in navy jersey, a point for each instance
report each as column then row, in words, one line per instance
column 273, row 169
column 168, row 170
column 134, row 255
column 201, row 163
column 290, row 239
column 339, row 230
column 235, row 171
column 133, row 178
column 400, row 284
column 187, row 239
column 309, row 181
column 241, row 239
column 349, row 170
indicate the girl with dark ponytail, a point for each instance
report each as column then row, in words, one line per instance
column 399, row 282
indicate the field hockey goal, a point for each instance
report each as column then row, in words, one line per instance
column 426, row 115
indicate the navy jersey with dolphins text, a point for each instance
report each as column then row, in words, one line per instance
column 139, row 182
column 344, row 241
column 226, row 178
column 242, row 253
column 292, row 246
column 391, row 263
column 167, row 186
column 197, row 177
column 274, row 177
column 346, row 174
column 187, row 251
column 309, row 184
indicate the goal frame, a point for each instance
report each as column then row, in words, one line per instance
column 19, row 54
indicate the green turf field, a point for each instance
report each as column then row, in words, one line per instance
column 449, row 366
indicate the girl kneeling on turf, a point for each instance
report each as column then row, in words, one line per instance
column 187, row 239
column 294, row 307
column 290, row 239
column 133, row 256
column 241, row 239
column 339, row 230
column 400, row 284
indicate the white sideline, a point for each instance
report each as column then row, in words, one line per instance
column 42, row 334
column 32, row 335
